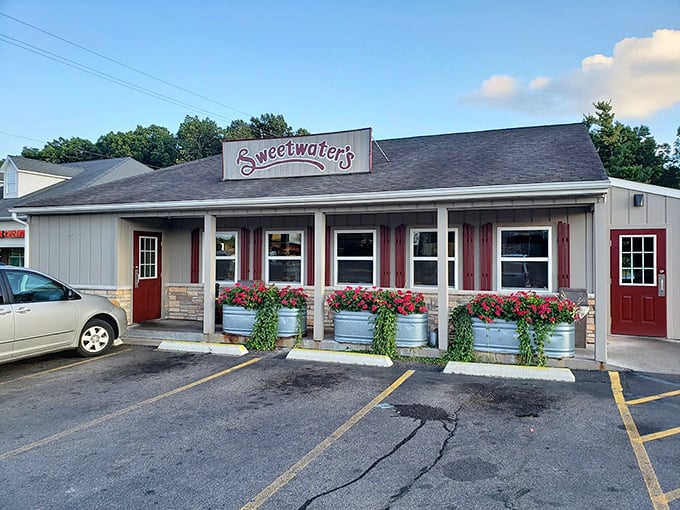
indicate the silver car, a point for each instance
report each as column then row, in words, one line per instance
column 39, row 314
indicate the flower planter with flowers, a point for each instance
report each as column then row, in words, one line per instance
column 263, row 313
column 531, row 326
column 386, row 319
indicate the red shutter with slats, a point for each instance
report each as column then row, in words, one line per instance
column 244, row 255
column 195, row 254
column 486, row 256
column 257, row 254
column 400, row 256
column 563, row 276
column 468, row 257
column 310, row 256
column 328, row 255
column 384, row 256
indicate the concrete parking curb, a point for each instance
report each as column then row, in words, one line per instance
column 204, row 347
column 351, row 358
column 510, row 371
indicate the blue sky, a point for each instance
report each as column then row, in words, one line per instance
column 402, row 68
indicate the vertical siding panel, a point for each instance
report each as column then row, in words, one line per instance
column 257, row 253
column 486, row 256
column 244, row 255
column 468, row 256
column 563, row 263
column 400, row 256
column 309, row 256
column 384, row 256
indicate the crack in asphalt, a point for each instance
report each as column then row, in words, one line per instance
column 418, row 412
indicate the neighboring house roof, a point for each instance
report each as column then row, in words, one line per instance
column 551, row 155
column 89, row 174
column 43, row 167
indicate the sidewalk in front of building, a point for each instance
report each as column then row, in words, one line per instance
column 643, row 354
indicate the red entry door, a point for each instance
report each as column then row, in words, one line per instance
column 638, row 287
column 146, row 292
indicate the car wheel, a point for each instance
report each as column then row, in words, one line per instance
column 96, row 338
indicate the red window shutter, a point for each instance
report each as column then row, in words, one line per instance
column 468, row 257
column 257, row 254
column 485, row 256
column 400, row 256
column 328, row 255
column 563, row 264
column 244, row 254
column 384, row 256
column 195, row 254
column 310, row 256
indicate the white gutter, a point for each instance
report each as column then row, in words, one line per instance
column 26, row 238
column 437, row 194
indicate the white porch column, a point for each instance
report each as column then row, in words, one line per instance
column 602, row 274
column 319, row 272
column 443, row 276
column 209, row 253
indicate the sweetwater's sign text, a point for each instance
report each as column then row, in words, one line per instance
column 344, row 152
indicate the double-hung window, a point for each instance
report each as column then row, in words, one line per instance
column 226, row 262
column 424, row 257
column 355, row 257
column 525, row 260
column 284, row 257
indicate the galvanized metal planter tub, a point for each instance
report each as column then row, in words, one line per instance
column 353, row 327
column 501, row 336
column 412, row 330
column 239, row 321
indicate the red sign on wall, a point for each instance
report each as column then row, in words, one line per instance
column 12, row 234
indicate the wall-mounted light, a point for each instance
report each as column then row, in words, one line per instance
column 638, row 200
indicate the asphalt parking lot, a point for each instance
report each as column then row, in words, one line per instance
column 140, row 428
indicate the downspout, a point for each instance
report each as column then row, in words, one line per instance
column 26, row 238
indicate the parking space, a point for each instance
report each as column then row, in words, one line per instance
column 649, row 405
column 143, row 428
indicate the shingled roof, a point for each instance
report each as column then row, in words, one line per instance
column 530, row 155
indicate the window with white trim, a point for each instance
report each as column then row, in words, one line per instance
column 226, row 261
column 284, row 257
column 355, row 257
column 424, row 257
column 10, row 184
column 525, row 260
column 148, row 257
column 637, row 260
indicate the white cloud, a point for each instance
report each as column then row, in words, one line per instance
column 641, row 78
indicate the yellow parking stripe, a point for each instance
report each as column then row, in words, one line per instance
column 66, row 366
column 673, row 495
column 651, row 398
column 660, row 435
column 293, row 471
column 120, row 412
column 659, row 499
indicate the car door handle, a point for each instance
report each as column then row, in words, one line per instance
column 5, row 312
column 23, row 309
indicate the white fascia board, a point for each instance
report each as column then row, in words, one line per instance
column 645, row 188
column 406, row 196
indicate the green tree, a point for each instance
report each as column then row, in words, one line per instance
column 198, row 138
column 626, row 152
column 155, row 146
column 64, row 150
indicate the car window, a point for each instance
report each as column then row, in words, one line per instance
column 33, row 288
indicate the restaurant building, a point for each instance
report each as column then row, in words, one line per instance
column 450, row 215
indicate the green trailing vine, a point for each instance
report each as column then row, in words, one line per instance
column 385, row 332
column 265, row 329
column 298, row 329
column 460, row 336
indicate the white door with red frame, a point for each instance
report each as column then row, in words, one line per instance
column 638, row 282
column 146, row 292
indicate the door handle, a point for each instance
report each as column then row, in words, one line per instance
column 136, row 277
column 5, row 312
column 661, row 287
column 23, row 309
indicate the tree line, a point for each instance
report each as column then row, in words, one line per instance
column 157, row 147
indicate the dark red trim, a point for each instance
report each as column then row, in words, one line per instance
column 400, row 256
column 486, row 256
column 328, row 255
column 310, row 256
column 384, row 256
column 244, row 243
column 195, row 254
column 468, row 257
column 563, row 264
column 257, row 254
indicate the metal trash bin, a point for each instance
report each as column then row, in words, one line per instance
column 580, row 297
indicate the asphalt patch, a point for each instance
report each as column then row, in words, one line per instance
column 306, row 382
column 521, row 401
column 469, row 469
column 153, row 366
column 422, row 412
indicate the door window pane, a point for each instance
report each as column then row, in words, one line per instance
column 148, row 257
column 637, row 260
